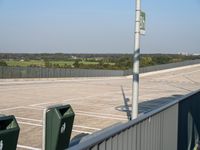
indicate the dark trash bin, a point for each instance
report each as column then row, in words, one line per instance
column 58, row 127
column 9, row 132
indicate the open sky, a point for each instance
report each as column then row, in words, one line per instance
column 98, row 26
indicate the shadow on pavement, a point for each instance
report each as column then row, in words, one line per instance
column 146, row 106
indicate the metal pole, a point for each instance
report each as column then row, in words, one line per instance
column 135, row 86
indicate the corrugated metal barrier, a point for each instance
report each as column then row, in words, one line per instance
column 171, row 127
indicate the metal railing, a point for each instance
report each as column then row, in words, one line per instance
column 171, row 127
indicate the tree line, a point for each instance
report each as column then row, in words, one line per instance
column 97, row 61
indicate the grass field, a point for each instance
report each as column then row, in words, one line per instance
column 62, row 63
column 25, row 63
column 41, row 63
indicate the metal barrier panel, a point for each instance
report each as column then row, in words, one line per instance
column 171, row 127
column 154, row 131
column 1, row 72
column 62, row 73
column 189, row 123
column 17, row 72
column 50, row 73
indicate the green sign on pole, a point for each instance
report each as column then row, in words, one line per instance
column 142, row 22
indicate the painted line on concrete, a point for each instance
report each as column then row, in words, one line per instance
column 34, row 108
column 10, row 108
column 39, row 125
column 22, row 118
column 31, row 124
column 97, row 115
column 27, row 147
column 80, row 131
column 102, row 114
column 78, row 98
column 104, row 103
column 36, row 120
column 84, row 127
column 75, row 102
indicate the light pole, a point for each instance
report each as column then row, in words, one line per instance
column 136, row 54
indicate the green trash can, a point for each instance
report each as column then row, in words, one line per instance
column 57, row 127
column 9, row 132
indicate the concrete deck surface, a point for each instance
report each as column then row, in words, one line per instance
column 97, row 102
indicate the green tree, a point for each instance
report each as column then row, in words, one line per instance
column 76, row 64
column 124, row 62
column 146, row 61
column 47, row 63
column 3, row 63
column 101, row 63
column 56, row 66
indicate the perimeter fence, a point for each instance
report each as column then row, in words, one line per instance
column 42, row 72
column 165, row 66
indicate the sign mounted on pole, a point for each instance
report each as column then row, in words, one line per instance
column 142, row 23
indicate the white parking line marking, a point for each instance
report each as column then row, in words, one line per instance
column 79, row 98
column 28, row 119
column 102, row 114
column 39, row 125
column 79, row 131
column 10, row 108
column 93, row 114
column 22, row 118
column 84, row 127
column 31, row 107
column 97, row 116
column 31, row 124
column 27, row 147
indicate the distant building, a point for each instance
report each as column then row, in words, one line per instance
column 188, row 54
column 73, row 57
column 196, row 54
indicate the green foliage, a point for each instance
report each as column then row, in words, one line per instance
column 3, row 63
column 36, row 63
column 146, row 61
column 47, row 63
column 124, row 62
column 76, row 64
column 89, row 61
column 56, row 66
